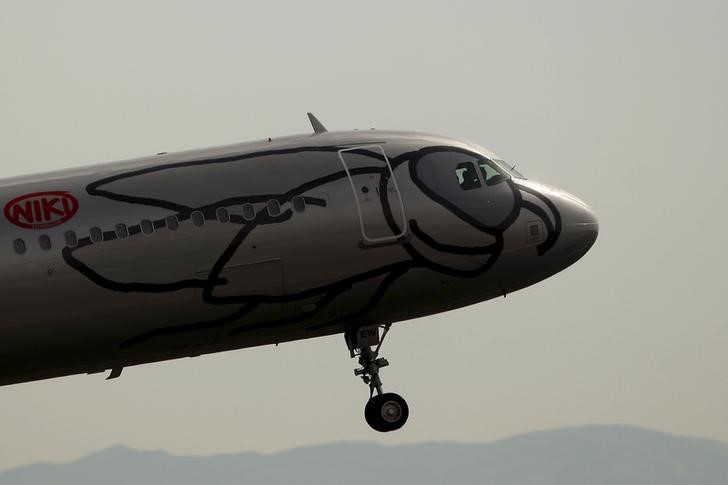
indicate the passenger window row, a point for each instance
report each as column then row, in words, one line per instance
column 122, row 231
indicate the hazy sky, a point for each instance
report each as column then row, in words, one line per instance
column 623, row 103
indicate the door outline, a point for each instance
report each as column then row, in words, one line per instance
column 376, row 240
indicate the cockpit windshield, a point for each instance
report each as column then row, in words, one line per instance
column 469, row 177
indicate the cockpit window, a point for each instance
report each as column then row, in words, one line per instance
column 454, row 179
column 492, row 173
column 467, row 176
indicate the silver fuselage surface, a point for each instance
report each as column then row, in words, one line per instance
column 191, row 253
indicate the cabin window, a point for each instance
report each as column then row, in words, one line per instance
column 223, row 215
column 467, row 176
column 45, row 242
column 19, row 246
column 198, row 218
column 71, row 239
column 248, row 212
column 122, row 232
column 274, row 207
column 172, row 223
column 96, row 235
column 299, row 204
column 147, row 226
column 492, row 173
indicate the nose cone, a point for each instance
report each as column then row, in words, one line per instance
column 579, row 227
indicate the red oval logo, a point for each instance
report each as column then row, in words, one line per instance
column 41, row 210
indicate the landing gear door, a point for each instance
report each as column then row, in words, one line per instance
column 376, row 194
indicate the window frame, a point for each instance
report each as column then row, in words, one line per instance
column 70, row 238
column 96, row 230
column 298, row 203
column 45, row 243
column 121, row 230
column 19, row 246
column 171, row 222
column 147, row 227
column 249, row 217
column 197, row 218
column 273, row 203
column 222, row 211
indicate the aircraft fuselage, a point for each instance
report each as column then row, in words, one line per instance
column 191, row 253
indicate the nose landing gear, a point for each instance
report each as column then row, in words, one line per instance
column 384, row 411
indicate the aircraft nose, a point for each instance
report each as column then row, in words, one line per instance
column 580, row 226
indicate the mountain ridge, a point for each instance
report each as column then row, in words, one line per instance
column 594, row 455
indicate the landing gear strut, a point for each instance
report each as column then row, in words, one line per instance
column 384, row 411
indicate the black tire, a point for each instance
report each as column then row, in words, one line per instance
column 387, row 412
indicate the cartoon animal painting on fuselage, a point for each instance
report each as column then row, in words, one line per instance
column 191, row 253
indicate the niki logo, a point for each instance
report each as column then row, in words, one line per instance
column 41, row 210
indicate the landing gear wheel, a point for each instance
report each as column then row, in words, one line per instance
column 386, row 412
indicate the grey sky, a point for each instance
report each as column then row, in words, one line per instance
column 623, row 103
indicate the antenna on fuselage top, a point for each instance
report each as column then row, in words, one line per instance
column 318, row 127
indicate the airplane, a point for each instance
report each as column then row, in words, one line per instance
column 182, row 254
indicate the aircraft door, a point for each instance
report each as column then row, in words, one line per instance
column 376, row 194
